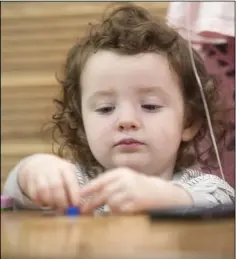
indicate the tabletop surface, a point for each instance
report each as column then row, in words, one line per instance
column 39, row 235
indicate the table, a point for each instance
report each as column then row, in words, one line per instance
column 35, row 235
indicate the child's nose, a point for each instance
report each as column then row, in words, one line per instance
column 128, row 120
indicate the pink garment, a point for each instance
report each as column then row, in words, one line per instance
column 212, row 33
column 223, row 66
column 209, row 22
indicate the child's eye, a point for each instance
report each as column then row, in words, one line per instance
column 151, row 107
column 105, row 110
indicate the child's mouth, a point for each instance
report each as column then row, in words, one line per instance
column 129, row 143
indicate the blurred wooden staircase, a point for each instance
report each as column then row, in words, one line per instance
column 35, row 39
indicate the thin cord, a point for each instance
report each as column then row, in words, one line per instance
column 203, row 94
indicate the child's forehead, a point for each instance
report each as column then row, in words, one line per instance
column 145, row 69
column 103, row 57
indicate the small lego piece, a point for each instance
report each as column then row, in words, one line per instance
column 72, row 211
column 6, row 203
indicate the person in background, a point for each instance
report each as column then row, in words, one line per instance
column 212, row 34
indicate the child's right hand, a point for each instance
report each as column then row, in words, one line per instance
column 49, row 181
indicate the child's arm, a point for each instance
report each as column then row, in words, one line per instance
column 205, row 189
column 12, row 189
column 125, row 190
column 42, row 181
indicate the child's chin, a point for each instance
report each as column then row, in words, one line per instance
column 137, row 164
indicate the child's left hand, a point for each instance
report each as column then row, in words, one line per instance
column 125, row 190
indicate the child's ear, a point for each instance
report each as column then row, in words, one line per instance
column 191, row 130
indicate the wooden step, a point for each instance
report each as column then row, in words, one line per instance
column 34, row 48
column 35, row 59
column 50, row 9
column 24, row 117
column 26, row 79
column 38, row 63
column 40, row 36
column 29, row 105
column 17, row 146
column 23, row 132
column 41, row 93
column 62, row 9
column 53, row 24
column 32, row 116
column 48, row 42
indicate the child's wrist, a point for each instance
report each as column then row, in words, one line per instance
column 172, row 195
column 180, row 196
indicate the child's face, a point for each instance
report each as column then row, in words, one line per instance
column 133, row 98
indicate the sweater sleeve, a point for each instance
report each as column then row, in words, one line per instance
column 206, row 189
column 12, row 189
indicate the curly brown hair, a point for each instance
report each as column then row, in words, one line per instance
column 130, row 30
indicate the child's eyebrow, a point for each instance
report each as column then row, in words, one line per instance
column 140, row 90
column 153, row 89
column 101, row 93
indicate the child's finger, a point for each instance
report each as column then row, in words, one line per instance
column 71, row 186
column 115, row 202
column 92, row 204
column 43, row 191
column 128, row 207
column 31, row 189
column 58, row 193
column 102, row 197
column 98, row 184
